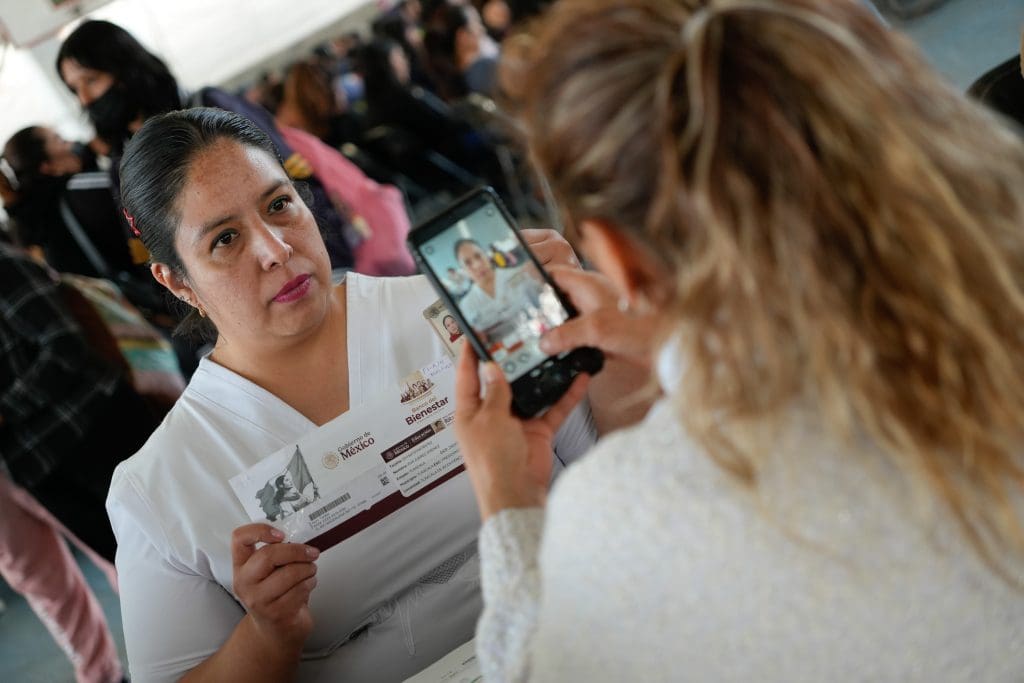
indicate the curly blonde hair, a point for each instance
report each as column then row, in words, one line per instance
column 845, row 230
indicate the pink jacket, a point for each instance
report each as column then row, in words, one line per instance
column 379, row 209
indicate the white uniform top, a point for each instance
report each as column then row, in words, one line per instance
column 513, row 289
column 390, row 600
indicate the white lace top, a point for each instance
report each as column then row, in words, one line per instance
column 650, row 564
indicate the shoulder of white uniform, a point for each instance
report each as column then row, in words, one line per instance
column 401, row 287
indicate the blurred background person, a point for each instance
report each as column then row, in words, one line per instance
column 79, row 232
column 67, row 416
column 397, row 28
column 266, row 91
column 496, row 16
column 461, row 52
column 118, row 83
column 456, row 282
column 43, row 162
column 101, row 60
column 309, row 103
column 36, row 563
column 422, row 120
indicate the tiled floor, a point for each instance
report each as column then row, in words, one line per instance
column 963, row 39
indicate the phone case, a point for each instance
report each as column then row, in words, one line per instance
column 538, row 381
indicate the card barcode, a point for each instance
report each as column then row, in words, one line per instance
column 327, row 508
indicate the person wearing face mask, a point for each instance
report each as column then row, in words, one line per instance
column 42, row 163
column 120, row 84
column 117, row 81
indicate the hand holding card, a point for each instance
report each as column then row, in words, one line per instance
column 273, row 582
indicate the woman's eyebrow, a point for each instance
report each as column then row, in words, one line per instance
column 277, row 185
column 217, row 222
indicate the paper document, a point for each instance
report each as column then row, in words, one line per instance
column 458, row 666
column 360, row 467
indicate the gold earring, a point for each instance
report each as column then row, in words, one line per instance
column 202, row 313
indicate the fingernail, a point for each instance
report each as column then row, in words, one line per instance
column 312, row 553
column 492, row 373
column 545, row 345
column 277, row 534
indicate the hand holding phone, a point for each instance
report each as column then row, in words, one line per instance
column 508, row 459
column 501, row 297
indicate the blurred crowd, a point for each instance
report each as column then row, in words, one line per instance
column 412, row 103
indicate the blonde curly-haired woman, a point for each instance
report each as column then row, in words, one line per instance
column 831, row 243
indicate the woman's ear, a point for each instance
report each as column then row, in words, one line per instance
column 174, row 283
column 634, row 271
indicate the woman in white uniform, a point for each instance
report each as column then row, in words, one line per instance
column 496, row 292
column 204, row 594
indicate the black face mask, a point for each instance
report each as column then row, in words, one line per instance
column 83, row 152
column 111, row 113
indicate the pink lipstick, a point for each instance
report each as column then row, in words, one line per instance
column 294, row 289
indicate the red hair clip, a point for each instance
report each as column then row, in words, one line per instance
column 131, row 222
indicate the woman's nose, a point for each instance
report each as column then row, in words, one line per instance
column 274, row 250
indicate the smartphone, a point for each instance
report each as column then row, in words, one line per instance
column 500, row 296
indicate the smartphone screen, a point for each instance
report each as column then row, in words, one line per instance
column 496, row 286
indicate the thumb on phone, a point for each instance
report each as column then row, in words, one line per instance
column 497, row 392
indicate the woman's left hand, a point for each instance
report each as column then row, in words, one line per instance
column 509, row 460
